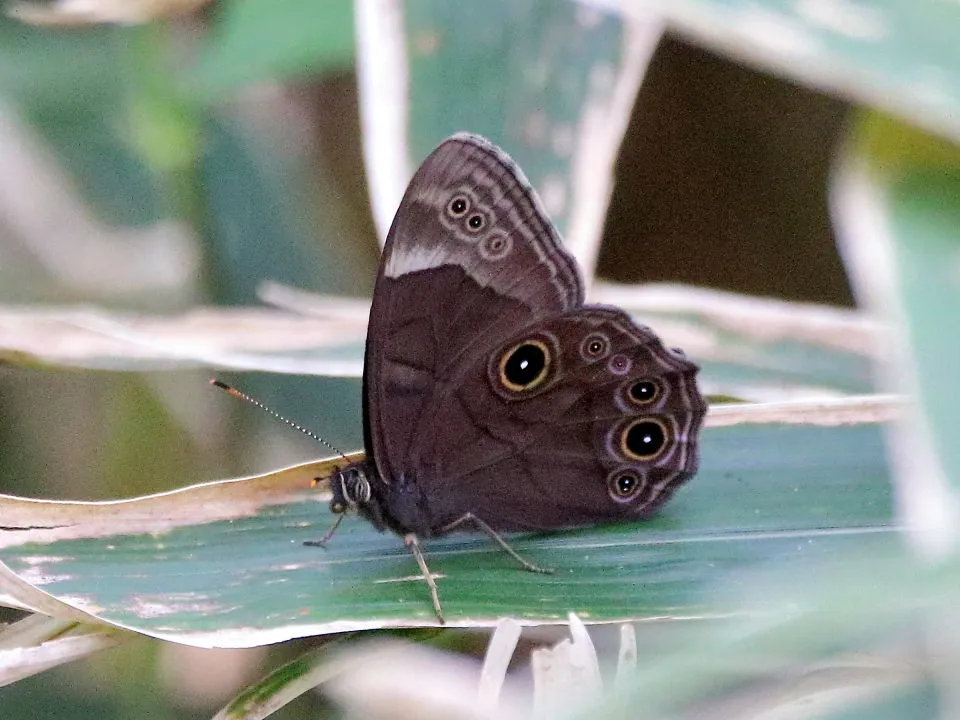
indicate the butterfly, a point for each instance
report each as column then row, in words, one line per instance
column 494, row 399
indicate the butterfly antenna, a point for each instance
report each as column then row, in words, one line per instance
column 286, row 421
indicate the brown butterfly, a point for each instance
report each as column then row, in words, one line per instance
column 494, row 399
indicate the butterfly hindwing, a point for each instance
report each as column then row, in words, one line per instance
column 582, row 418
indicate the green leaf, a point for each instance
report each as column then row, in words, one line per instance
column 554, row 83
column 224, row 564
column 37, row 643
column 897, row 55
column 867, row 599
column 896, row 203
column 284, row 684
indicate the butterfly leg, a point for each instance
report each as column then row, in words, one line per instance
column 412, row 542
column 471, row 519
column 322, row 542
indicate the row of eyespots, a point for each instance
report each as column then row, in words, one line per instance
column 596, row 346
column 460, row 211
column 524, row 367
column 459, row 206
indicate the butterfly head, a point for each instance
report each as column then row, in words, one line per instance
column 351, row 488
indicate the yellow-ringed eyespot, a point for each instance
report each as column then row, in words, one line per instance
column 625, row 485
column 525, row 365
column 643, row 439
column 644, row 391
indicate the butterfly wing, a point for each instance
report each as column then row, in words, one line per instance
column 489, row 388
column 470, row 257
column 600, row 424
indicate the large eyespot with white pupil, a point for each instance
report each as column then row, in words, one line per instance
column 458, row 206
column 594, row 347
column 495, row 246
column 645, row 391
column 643, row 439
column 525, row 366
column 625, row 485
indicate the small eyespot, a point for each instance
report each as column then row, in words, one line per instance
column 495, row 246
column 619, row 365
column 337, row 507
column 643, row 439
column 594, row 347
column 624, row 485
column 458, row 206
column 476, row 222
column 525, row 365
column 644, row 392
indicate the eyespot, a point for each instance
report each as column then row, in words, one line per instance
column 644, row 392
column 625, row 485
column 619, row 365
column 458, row 206
column 595, row 346
column 476, row 222
column 338, row 507
column 496, row 246
column 643, row 439
column 525, row 365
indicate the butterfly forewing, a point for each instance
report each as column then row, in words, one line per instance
column 470, row 258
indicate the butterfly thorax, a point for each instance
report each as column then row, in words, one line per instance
column 398, row 506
